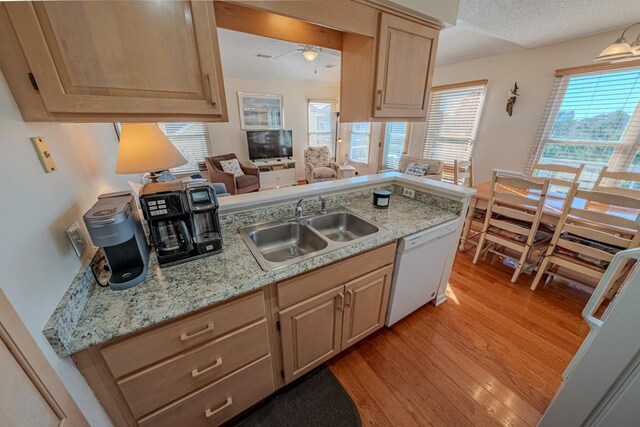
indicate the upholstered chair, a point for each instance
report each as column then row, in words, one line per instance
column 435, row 166
column 317, row 165
column 246, row 183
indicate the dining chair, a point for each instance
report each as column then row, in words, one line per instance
column 581, row 243
column 475, row 217
column 463, row 172
column 559, row 175
column 607, row 178
column 513, row 218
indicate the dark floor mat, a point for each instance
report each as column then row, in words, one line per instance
column 317, row 399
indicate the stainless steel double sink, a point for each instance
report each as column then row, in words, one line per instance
column 280, row 243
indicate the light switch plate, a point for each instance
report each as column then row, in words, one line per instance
column 409, row 192
column 44, row 154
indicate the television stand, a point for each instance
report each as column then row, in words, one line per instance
column 276, row 173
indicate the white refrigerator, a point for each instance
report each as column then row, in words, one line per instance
column 602, row 383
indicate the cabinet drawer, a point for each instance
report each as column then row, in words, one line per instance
column 147, row 348
column 219, row 401
column 315, row 282
column 162, row 383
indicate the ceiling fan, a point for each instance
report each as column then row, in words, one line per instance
column 309, row 52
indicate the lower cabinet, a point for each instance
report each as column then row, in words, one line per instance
column 318, row 328
column 311, row 332
column 209, row 366
column 365, row 305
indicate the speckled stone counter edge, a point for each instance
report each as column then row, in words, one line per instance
column 59, row 330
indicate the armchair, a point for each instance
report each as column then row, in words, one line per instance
column 246, row 183
column 435, row 166
column 317, row 166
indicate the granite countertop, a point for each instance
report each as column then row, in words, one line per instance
column 171, row 292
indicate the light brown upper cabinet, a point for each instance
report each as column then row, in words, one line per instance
column 404, row 67
column 110, row 60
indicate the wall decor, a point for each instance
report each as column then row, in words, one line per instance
column 260, row 111
column 513, row 94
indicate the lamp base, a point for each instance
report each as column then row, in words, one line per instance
column 153, row 176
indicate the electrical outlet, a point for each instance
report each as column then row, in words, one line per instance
column 409, row 192
column 44, row 154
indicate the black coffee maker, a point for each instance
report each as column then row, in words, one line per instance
column 183, row 220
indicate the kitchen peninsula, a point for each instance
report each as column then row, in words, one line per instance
column 224, row 326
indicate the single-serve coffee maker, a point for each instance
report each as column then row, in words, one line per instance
column 114, row 226
column 183, row 220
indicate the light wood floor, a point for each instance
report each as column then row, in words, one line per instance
column 493, row 354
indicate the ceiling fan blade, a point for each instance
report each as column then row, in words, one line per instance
column 286, row 53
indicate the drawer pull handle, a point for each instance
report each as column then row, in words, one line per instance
column 340, row 301
column 185, row 336
column 213, row 89
column 196, row 372
column 350, row 295
column 379, row 103
column 209, row 413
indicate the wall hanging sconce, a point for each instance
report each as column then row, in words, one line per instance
column 513, row 94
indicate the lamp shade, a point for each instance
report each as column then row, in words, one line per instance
column 309, row 54
column 144, row 148
column 618, row 50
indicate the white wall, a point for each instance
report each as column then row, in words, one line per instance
column 37, row 262
column 505, row 142
column 229, row 138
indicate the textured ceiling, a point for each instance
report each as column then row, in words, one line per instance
column 238, row 53
column 488, row 27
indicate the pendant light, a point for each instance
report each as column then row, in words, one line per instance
column 620, row 50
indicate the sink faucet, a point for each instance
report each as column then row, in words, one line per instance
column 323, row 204
column 299, row 209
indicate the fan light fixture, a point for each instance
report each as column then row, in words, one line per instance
column 620, row 50
column 310, row 54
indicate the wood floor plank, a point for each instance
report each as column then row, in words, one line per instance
column 370, row 412
column 493, row 354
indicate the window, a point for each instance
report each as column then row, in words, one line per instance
column 359, row 139
column 192, row 140
column 591, row 118
column 394, row 143
column 322, row 124
column 452, row 121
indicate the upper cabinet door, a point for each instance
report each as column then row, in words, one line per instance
column 140, row 58
column 405, row 60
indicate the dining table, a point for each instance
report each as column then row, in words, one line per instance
column 552, row 210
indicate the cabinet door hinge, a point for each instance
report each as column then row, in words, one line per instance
column 32, row 78
column 278, row 325
column 282, row 373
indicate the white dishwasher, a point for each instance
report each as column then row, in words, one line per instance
column 422, row 264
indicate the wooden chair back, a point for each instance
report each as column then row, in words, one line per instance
column 519, row 199
column 517, row 204
column 558, row 175
column 463, row 172
column 584, row 221
column 604, row 182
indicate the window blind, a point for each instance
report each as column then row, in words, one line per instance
column 359, row 139
column 192, row 139
column 395, row 136
column 452, row 122
column 322, row 124
column 591, row 118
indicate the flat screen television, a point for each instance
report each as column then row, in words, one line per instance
column 269, row 144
